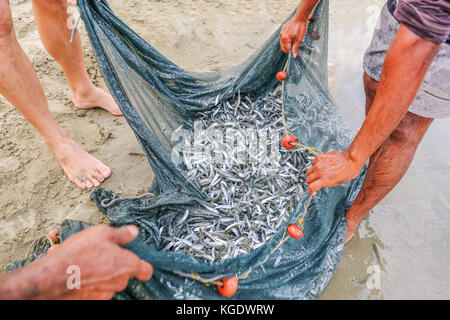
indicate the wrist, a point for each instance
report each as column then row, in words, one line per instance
column 356, row 156
column 49, row 278
column 304, row 10
column 301, row 16
column 35, row 281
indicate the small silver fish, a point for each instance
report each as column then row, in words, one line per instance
column 249, row 198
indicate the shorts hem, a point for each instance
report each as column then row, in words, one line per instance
column 370, row 74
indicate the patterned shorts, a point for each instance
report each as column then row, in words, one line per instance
column 433, row 97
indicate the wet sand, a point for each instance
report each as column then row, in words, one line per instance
column 405, row 236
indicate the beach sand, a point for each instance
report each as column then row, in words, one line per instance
column 36, row 196
column 204, row 35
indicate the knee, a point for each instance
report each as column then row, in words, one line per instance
column 370, row 86
column 411, row 129
column 406, row 134
column 400, row 136
column 6, row 22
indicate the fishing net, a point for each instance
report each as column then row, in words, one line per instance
column 160, row 99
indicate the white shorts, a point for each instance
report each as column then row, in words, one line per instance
column 433, row 97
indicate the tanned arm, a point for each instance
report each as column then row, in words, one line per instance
column 105, row 268
column 405, row 66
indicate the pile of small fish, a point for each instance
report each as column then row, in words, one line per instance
column 250, row 199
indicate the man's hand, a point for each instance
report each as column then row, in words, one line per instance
column 292, row 34
column 105, row 268
column 332, row 169
column 293, row 31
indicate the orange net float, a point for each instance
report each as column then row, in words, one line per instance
column 229, row 287
column 289, row 141
column 294, row 231
column 281, row 76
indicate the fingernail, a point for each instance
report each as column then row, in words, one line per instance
column 133, row 230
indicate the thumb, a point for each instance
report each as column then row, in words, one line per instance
column 295, row 48
column 286, row 44
column 125, row 234
column 52, row 248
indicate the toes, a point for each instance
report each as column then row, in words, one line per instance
column 80, row 184
column 105, row 172
column 100, row 177
column 348, row 238
column 89, row 184
column 117, row 113
column 96, row 178
column 113, row 107
column 95, row 182
column 97, row 98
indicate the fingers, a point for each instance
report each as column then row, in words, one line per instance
column 295, row 48
column 135, row 267
column 90, row 295
column 106, row 295
column 124, row 235
column 315, row 161
column 315, row 186
column 311, row 177
column 144, row 271
column 313, row 180
column 139, row 268
column 285, row 43
column 291, row 36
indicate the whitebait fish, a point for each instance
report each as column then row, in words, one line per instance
column 249, row 180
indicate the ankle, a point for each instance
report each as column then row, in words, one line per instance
column 56, row 140
column 354, row 215
column 82, row 91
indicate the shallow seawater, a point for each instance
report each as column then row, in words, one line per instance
column 406, row 236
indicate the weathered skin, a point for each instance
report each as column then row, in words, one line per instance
column 105, row 267
column 390, row 134
column 20, row 86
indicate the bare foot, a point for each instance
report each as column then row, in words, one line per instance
column 96, row 98
column 80, row 167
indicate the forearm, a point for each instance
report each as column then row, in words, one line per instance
column 405, row 66
column 38, row 280
column 304, row 9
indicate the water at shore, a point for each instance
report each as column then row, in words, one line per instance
column 406, row 236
